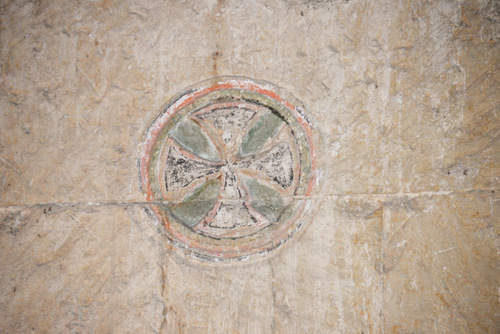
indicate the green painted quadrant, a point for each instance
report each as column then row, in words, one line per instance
column 265, row 199
column 197, row 205
column 191, row 137
column 266, row 128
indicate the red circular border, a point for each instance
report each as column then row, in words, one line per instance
column 183, row 100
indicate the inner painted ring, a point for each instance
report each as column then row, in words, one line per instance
column 230, row 167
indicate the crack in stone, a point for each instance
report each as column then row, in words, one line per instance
column 326, row 196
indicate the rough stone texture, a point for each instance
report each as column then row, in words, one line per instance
column 79, row 269
column 405, row 94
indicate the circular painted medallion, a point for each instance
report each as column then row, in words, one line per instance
column 229, row 166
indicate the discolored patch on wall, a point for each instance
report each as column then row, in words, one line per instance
column 229, row 167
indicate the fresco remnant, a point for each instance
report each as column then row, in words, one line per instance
column 229, row 165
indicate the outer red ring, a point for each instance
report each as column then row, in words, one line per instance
column 183, row 99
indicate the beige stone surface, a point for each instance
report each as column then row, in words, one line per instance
column 405, row 95
column 80, row 269
column 441, row 263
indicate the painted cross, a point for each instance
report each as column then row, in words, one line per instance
column 229, row 169
column 230, row 165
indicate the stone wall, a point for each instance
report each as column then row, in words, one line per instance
column 404, row 96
